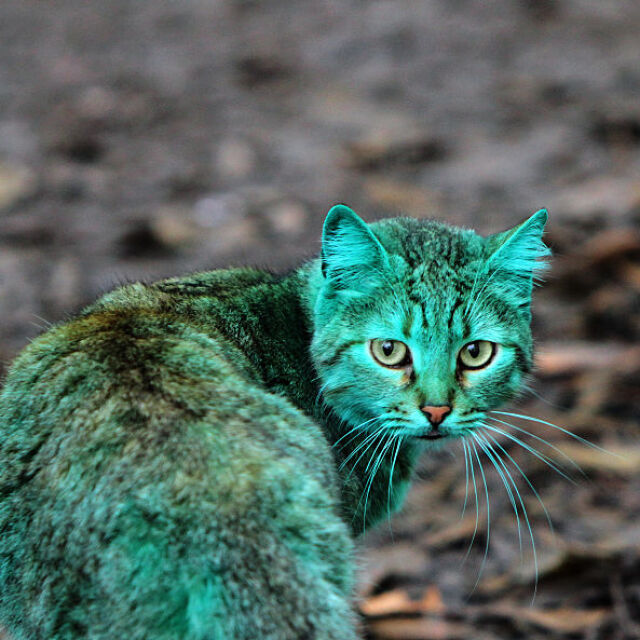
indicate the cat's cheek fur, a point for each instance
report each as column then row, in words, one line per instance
column 491, row 387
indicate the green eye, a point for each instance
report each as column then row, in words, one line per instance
column 477, row 354
column 390, row 353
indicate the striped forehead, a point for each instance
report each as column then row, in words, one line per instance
column 451, row 305
column 437, row 283
column 439, row 314
column 437, row 294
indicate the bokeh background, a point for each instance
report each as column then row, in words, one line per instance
column 145, row 139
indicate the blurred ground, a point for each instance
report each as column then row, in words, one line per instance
column 143, row 139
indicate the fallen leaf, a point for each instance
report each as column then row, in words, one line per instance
column 431, row 601
column 404, row 197
column 459, row 531
column 378, row 152
column 562, row 620
column 423, row 629
column 562, row 358
column 390, row 603
column 619, row 459
column 611, row 244
column 397, row 602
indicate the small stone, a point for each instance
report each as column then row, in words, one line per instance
column 235, row 234
column 403, row 198
column 16, row 183
column 287, row 217
column 141, row 241
column 235, row 158
column 174, row 227
column 382, row 148
column 65, row 284
column 257, row 70
column 96, row 103
column 611, row 195
column 18, row 140
column 215, row 210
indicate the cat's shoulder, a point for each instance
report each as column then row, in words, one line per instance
column 144, row 331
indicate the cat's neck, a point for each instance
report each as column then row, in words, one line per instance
column 271, row 320
column 374, row 478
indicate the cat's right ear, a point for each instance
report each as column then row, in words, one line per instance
column 352, row 257
column 519, row 254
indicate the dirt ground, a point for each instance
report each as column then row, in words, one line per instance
column 145, row 139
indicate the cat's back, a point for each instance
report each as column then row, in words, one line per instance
column 135, row 372
column 142, row 460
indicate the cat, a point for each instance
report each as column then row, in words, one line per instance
column 194, row 459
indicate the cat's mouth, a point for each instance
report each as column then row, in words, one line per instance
column 432, row 435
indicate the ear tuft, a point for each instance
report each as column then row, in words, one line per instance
column 519, row 253
column 352, row 256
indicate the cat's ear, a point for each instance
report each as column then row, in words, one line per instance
column 519, row 254
column 352, row 257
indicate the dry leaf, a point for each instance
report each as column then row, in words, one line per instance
column 431, row 601
column 460, row 530
column 562, row 620
column 403, row 196
column 422, row 629
column 390, row 603
column 555, row 358
column 622, row 460
column 398, row 602
column 611, row 244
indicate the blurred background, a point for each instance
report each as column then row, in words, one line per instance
column 145, row 139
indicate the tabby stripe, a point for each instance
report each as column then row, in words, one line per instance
column 453, row 310
column 338, row 354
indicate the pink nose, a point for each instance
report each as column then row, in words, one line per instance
column 436, row 414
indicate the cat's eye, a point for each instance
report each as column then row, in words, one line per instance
column 390, row 353
column 477, row 354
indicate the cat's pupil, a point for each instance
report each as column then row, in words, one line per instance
column 474, row 349
column 387, row 347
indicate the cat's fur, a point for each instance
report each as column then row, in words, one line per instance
column 176, row 462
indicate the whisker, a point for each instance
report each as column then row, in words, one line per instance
column 569, row 459
column 367, row 438
column 374, row 471
column 555, row 426
column 475, row 491
column 524, row 509
column 390, row 487
column 320, row 392
column 368, row 441
column 486, row 495
column 538, row 454
column 466, row 479
column 526, row 515
column 371, row 460
column 357, row 427
column 529, row 389
column 492, row 455
column 373, row 454
column 524, row 476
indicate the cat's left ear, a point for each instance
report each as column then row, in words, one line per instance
column 352, row 257
column 519, row 254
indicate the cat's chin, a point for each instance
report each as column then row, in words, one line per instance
column 433, row 440
column 438, row 439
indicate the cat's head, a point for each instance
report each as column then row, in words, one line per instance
column 420, row 328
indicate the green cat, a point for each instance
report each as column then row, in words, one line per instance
column 192, row 459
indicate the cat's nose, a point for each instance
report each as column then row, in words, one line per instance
column 436, row 414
